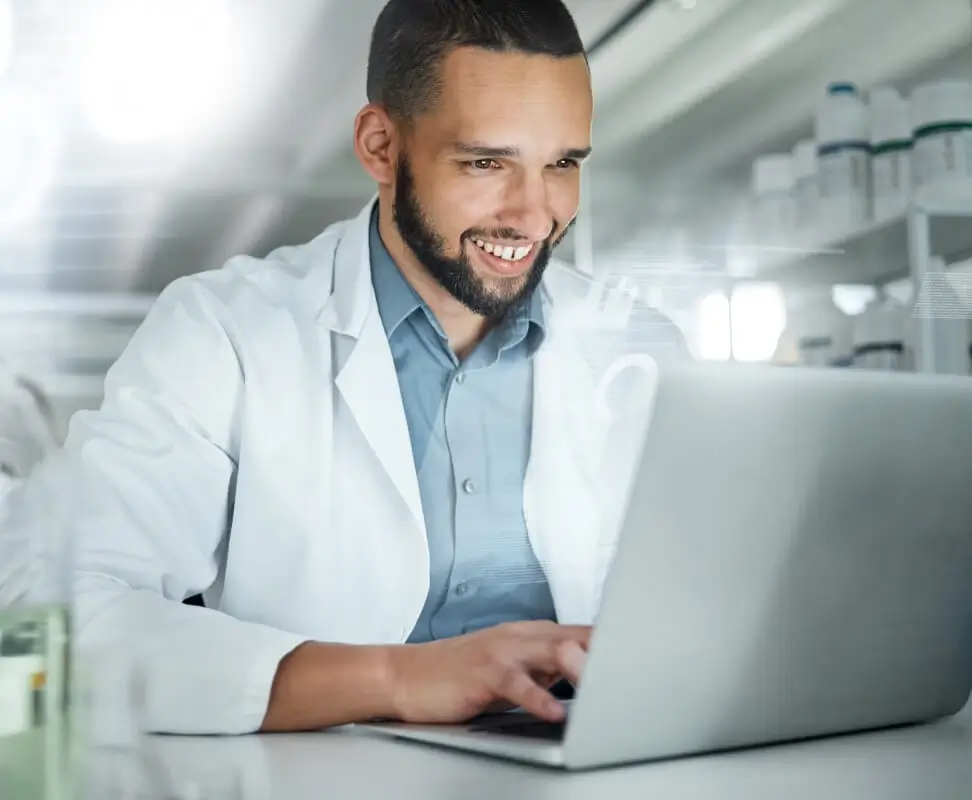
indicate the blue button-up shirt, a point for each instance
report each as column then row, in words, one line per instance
column 470, row 429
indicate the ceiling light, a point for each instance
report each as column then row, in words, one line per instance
column 156, row 69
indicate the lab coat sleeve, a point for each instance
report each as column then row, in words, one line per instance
column 151, row 476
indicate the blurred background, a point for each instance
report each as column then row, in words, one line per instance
column 759, row 165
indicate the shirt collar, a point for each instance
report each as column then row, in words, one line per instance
column 524, row 323
column 396, row 298
column 397, row 301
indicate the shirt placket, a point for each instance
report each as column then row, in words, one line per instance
column 470, row 490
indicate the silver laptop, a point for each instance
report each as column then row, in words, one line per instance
column 796, row 561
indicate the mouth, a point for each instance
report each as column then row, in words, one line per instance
column 508, row 260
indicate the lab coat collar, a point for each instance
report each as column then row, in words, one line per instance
column 352, row 294
column 366, row 376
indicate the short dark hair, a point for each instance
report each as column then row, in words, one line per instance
column 412, row 37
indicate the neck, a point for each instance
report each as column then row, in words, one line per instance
column 464, row 328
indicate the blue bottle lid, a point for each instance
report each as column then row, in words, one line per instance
column 842, row 87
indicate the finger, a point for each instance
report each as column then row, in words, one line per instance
column 581, row 634
column 519, row 688
column 572, row 658
column 538, row 658
column 543, row 629
column 499, row 706
column 546, row 679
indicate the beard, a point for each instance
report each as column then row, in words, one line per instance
column 456, row 274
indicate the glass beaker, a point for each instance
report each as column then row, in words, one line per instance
column 35, row 666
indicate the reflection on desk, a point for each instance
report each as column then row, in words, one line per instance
column 928, row 761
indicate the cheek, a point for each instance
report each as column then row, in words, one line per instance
column 461, row 205
column 564, row 197
column 446, row 208
column 452, row 218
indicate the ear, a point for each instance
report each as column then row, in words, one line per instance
column 376, row 143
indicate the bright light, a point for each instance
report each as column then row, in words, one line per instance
column 29, row 143
column 714, row 339
column 156, row 69
column 852, row 299
column 758, row 319
column 6, row 35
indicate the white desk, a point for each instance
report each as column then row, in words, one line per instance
column 929, row 762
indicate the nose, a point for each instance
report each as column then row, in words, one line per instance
column 527, row 207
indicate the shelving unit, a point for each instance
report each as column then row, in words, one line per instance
column 938, row 224
column 876, row 254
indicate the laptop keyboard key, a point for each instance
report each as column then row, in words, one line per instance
column 527, row 728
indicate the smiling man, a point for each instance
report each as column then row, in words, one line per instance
column 478, row 123
column 376, row 455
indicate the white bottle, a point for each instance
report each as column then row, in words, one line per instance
column 843, row 153
column 806, row 190
column 772, row 213
column 891, row 153
column 884, row 337
column 818, row 333
column 941, row 118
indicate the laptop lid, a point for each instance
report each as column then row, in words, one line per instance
column 796, row 560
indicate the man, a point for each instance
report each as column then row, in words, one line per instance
column 376, row 455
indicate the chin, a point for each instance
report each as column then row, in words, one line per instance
column 503, row 288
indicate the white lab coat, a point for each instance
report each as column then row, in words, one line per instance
column 28, row 553
column 252, row 445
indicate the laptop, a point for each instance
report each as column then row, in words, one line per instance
column 795, row 562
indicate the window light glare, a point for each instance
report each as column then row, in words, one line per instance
column 156, row 69
column 6, row 35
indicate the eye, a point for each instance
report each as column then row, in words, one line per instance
column 567, row 163
column 482, row 164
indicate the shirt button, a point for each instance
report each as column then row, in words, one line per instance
column 461, row 378
column 468, row 486
column 462, row 588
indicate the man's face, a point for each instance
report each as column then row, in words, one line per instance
column 488, row 181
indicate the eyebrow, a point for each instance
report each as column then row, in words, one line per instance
column 478, row 150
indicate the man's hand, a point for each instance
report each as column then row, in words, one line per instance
column 453, row 680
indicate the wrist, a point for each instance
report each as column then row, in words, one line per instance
column 369, row 678
column 323, row 685
column 392, row 668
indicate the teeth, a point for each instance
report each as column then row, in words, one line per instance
column 506, row 253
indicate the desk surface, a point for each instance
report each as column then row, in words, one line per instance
column 932, row 762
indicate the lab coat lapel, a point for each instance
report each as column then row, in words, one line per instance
column 560, row 494
column 366, row 377
column 583, row 459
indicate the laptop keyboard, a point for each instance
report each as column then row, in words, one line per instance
column 527, row 727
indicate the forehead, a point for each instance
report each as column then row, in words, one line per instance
column 486, row 94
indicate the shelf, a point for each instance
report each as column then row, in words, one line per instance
column 875, row 254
